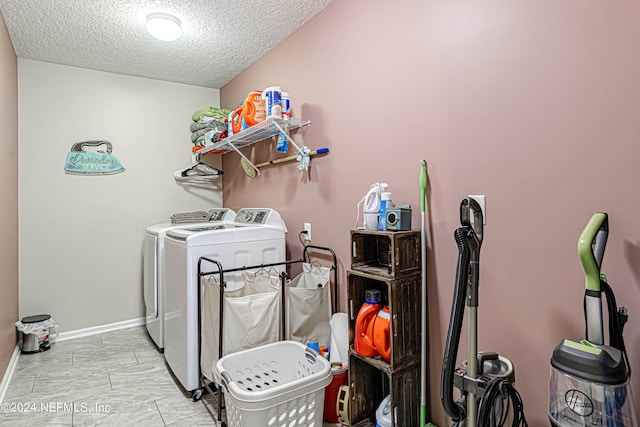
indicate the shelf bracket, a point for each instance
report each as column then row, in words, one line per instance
column 286, row 135
column 249, row 162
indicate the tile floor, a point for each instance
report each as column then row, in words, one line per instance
column 112, row 379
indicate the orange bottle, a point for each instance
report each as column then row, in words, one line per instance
column 253, row 108
column 363, row 340
column 236, row 120
column 382, row 333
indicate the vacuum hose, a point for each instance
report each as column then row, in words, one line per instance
column 617, row 319
column 456, row 410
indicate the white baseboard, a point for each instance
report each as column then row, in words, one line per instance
column 4, row 385
column 94, row 330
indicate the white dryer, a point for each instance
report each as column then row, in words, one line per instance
column 256, row 237
column 153, row 273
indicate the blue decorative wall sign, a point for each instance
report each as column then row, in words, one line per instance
column 92, row 158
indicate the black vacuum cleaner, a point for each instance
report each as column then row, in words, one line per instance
column 485, row 380
column 589, row 384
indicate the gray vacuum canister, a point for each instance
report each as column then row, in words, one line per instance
column 589, row 386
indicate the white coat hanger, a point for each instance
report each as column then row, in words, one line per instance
column 197, row 173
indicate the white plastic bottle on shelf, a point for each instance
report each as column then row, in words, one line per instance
column 230, row 124
column 286, row 105
column 383, row 414
column 273, row 101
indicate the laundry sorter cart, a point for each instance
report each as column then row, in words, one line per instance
column 267, row 308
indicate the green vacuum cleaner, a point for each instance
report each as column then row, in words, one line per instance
column 589, row 384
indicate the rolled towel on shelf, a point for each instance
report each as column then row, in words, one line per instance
column 213, row 112
column 197, row 134
column 213, row 123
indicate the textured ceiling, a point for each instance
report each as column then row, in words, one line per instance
column 220, row 38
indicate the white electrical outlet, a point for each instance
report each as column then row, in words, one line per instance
column 481, row 201
column 307, row 228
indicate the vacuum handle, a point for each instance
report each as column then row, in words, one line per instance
column 467, row 207
column 591, row 245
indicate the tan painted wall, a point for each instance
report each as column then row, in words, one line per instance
column 534, row 104
column 9, row 194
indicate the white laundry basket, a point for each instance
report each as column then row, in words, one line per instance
column 279, row 384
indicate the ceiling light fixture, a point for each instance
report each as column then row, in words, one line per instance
column 163, row 26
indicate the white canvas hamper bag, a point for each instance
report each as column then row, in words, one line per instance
column 251, row 316
column 308, row 306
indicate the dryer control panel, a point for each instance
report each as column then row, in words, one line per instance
column 253, row 216
column 260, row 216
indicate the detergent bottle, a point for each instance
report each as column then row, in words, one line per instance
column 371, row 205
column 236, row 120
column 363, row 340
column 253, row 108
column 382, row 333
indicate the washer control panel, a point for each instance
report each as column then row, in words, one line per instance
column 221, row 214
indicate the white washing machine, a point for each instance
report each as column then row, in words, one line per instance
column 257, row 236
column 154, row 280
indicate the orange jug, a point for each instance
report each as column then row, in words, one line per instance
column 236, row 120
column 253, row 108
column 382, row 333
column 363, row 340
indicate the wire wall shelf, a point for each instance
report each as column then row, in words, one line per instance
column 263, row 130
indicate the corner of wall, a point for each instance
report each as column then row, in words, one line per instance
column 9, row 194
